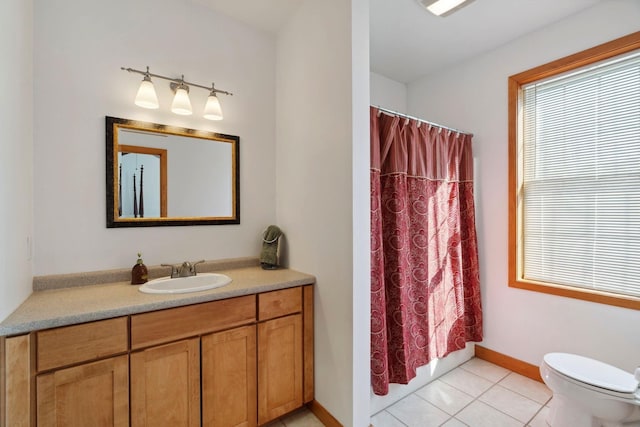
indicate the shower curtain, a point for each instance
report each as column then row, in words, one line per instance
column 425, row 288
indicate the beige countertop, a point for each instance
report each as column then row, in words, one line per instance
column 77, row 304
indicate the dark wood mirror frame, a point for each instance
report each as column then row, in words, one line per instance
column 114, row 124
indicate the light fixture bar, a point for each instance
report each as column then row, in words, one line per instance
column 177, row 81
column 181, row 104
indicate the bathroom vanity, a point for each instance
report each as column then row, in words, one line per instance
column 109, row 355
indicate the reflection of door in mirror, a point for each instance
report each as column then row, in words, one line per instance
column 142, row 182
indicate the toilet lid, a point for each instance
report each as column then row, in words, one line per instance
column 592, row 372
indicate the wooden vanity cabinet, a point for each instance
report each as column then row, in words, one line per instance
column 165, row 385
column 238, row 362
column 280, row 350
column 279, row 367
column 169, row 375
column 92, row 392
column 229, row 378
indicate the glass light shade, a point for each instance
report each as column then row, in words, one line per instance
column 212, row 110
column 441, row 7
column 146, row 97
column 181, row 103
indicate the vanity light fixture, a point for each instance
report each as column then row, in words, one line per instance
column 212, row 109
column 147, row 98
column 442, row 7
column 181, row 103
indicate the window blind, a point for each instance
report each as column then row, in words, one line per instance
column 580, row 179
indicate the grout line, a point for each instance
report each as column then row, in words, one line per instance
column 534, row 415
column 476, row 398
column 399, row 420
column 391, row 415
column 454, row 418
column 488, row 379
column 497, row 409
column 517, row 392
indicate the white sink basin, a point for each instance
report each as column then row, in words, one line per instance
column 182, row 285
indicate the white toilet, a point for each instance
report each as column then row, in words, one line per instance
column 589, row 393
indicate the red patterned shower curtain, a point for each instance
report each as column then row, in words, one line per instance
column 425, row 287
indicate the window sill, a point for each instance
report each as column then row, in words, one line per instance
column 577, row 293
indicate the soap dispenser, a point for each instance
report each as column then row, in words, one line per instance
column 139, row 273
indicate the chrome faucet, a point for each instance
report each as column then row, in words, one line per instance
column 187, row 269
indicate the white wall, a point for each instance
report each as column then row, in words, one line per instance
column 318, row 115
column 388, row 93
column 16, row 152
column 361, row 215
column 80, row 46
column 473, row 96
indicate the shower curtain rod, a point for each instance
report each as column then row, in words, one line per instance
column 406, row 116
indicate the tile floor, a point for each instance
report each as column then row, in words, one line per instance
column 475, row 394
column 300, row 418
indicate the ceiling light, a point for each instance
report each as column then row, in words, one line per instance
column 147, row 98
column 441, row 7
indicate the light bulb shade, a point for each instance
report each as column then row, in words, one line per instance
column 212, row 109
column 181, row 103
column 146, row 96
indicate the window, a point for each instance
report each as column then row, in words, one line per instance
column 574, row 175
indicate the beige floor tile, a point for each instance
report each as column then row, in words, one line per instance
column 511, row 403
column 479, row 414
column 276, row 423
column 301, row 418
column 486, row 370
column 417, row 412
column 385, row 419
column 443, row 396
column 454, row 423
column 466, row 382
column 475, row 394
column 527, row 387
column 540, row 419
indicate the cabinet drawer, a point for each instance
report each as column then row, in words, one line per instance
column 279, row 303
column 176, row 323
column 79, row 343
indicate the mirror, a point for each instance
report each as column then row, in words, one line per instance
column 166, row 175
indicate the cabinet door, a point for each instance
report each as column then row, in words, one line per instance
column 93, row 394
column 279, row 367
column 165, row 385
column 229, row 378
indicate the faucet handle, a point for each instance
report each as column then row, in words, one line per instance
column 193, row 266
column 174, row 269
